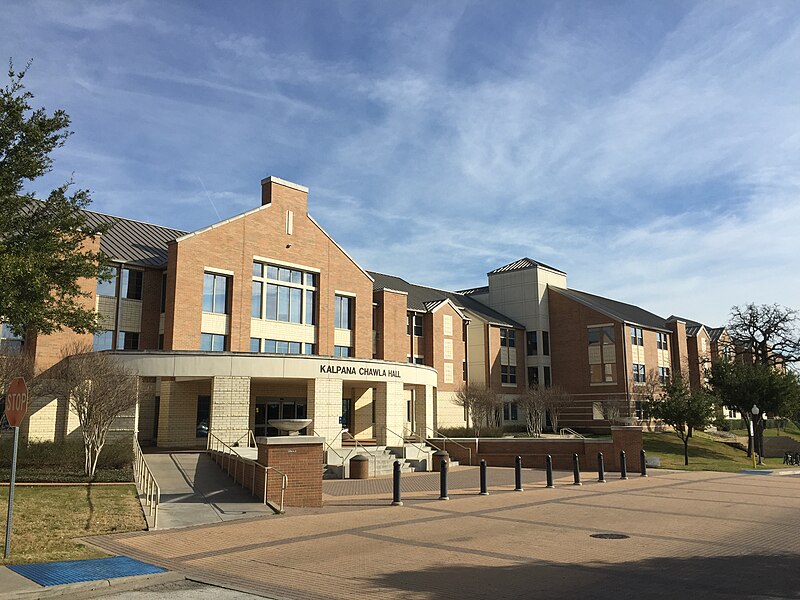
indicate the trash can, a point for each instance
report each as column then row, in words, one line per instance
column 359, row 467
column 438, row 457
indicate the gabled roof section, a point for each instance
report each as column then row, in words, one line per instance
column 715, row 333
column 694, row 327
column 134, row 242
column 619, row 311
column 478, row 290
column 524, row 263
column 420, row 297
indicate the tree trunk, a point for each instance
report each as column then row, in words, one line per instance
column 686, row 451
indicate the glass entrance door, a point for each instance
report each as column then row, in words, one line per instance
column 347, row 414
column 260, row 423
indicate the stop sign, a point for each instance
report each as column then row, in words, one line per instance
column 16, row 401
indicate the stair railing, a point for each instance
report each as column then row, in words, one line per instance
column 146, row 482
column 251, row 437
column 439, row 434
column 227, row 454
column 568, row 431
column 347, row 456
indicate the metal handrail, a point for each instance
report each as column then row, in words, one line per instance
column 146, row 483
column 572, row 432
column 251, row 437
column 437, row 433
column 213, row 445
column 371, row 454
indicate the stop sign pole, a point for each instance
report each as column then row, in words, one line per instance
column 16, row 407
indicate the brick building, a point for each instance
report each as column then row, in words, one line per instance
column 263, row 316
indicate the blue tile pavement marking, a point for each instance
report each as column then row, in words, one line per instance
column 75, row 571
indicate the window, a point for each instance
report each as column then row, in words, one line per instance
column 131, row 284
column 638, row 373
column 164, row 292
column 281, row 294
column 508, row 374
column 103, row 340
column 508, row 337
column 108, row 287
column 531, row 340
column 661, row 341
column 10, row 343
column 213, row 342
column 510, row 411
column 464, row 370
column 255, row 345
column 447, row 350
column 602, row 355
column 447, row 325
column 546, row 343
column 547, row 379
column 533, row 376
column 414, row 324
column 639, row 410
column 343, row 312
column 215, row 293
column 663, row 375
column 160, row 341
column 342, row 351
column 637, row 338
column 128, row 340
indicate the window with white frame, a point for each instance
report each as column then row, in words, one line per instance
column 661, row 341
column 663, row 375
column 283, row 294
column 638, row 373
column 215, row 293
column 637, row 336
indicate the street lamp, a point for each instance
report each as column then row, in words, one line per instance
column 756, row 446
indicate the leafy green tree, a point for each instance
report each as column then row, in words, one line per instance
column 683, row 410
column 741, row 385
column 43, row 243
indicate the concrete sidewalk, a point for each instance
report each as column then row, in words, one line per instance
column 196, row 491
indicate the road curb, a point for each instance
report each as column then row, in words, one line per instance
column 88, row 589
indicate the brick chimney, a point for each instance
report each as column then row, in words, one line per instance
column 285, row 195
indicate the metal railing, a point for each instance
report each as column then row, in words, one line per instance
column 568, row 431
column 227, row 455
column 439, row 434
column 145, row 482
column 251, row 437
column 347, row 456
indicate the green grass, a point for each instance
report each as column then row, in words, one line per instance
column 705, row 453
column 47, row 519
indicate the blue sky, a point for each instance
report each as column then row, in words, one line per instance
column 650, row 150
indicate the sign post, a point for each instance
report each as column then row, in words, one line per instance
column 16, row 407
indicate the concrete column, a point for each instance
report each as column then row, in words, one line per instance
column 230, row 408
column 324, row 408
column 424, row 410
column 390, row 413
column 362, row 417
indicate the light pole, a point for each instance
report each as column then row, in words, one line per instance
column 756, row 446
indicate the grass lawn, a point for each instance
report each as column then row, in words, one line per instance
column 705, row 453
column 48, row 519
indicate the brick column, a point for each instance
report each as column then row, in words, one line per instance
column 230, row 408
column 390, row 413
column 423, row 410
column 324, row 408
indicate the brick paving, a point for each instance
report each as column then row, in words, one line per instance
column 718, row 535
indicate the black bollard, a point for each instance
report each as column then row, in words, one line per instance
column 484, row 490
column 643, row 462
column 396, row 485
column 549, row 465
column 443, row 481
column 623, row 465
column 518, row 474
column 576, row 470
column 601, row 468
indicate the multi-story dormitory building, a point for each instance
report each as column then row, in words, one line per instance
column 264, row 316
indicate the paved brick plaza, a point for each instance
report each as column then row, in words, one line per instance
column 710, row 535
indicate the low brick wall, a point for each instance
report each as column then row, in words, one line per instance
column 501, row 452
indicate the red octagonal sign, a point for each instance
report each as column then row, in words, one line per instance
column 16, row 401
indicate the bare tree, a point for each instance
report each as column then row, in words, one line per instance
column 480, row 403
column 98, row 389
column 533, row 402
column 612, row 410
column 556, row 400
column 769, row 333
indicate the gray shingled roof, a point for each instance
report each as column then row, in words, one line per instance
column 620, row 311
column 524, row 263
column 134, row 242
column 478, row 290
column 692, row 327
column 421, row 297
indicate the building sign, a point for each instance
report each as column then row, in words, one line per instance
column 361, row 371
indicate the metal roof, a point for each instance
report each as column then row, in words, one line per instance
column 134, row 242
column 524, row 263
column 620, row 311
column 424, row 299
column 478, row 290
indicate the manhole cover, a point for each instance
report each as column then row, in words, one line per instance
column 610, row 536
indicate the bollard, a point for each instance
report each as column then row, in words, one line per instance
column 643, row 462
column 443, row 481
column 484, row 490
column 518, row 474
column 623, row 465
column 396, row 485
column 601, row 468
column 576, row 470
column 549, row 464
